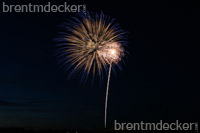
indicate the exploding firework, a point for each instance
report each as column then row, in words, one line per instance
column 92, row 43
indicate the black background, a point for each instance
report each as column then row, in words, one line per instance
column 158, row 82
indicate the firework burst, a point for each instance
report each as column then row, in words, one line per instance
column 92, row 43
column 89, row 44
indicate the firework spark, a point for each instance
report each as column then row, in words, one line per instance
column 110, row 53
column 90, row 44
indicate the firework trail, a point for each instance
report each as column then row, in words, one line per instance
column 106, row 101
column 92, row 43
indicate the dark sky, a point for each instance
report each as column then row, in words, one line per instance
column 158, row 82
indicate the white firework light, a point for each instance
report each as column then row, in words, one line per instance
column 111, row 52
column 91, row 43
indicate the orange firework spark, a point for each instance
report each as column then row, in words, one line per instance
column 88, row 43
column 91, row 43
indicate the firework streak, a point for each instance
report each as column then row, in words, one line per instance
column 92, row 43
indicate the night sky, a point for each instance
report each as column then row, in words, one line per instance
column 158, row 82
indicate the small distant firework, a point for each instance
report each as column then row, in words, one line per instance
column 91, row 43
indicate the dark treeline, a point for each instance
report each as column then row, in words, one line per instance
column 22, row 130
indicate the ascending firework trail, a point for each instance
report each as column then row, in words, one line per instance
column 91, row 43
